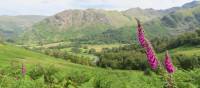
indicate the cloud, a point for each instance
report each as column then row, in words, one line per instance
column 125, row 4
column 50, row 7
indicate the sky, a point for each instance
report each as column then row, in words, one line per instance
column 50, row 7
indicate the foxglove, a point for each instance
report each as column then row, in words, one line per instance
column 168, row 64
column 23, row 70
column 151, row 56
column 152, row 59
column 141, row 35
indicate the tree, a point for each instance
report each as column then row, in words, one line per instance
column 1, row 38
column 168, row 21
column 76, row 50
column 92, row 51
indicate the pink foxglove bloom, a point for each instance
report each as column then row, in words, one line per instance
column 151, row 56
column 23, row 69
column 168, row 64
column 141, row 35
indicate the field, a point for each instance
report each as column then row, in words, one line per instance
column 84, row 76
column 130, row 79
column 99, row 48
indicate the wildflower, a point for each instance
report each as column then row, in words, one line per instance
column 152, row 59
column 23, row 69
column 168, row 64
column 151, row 56
column 140, row 35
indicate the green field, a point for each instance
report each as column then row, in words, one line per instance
column 107, row 78
column 99, row 48
column 118, row 78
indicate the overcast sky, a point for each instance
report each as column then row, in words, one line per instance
column 50, row 7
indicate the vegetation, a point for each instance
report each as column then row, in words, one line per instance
column 64, row 74
column 185, row 39
column 45, row 71
column 102, row 53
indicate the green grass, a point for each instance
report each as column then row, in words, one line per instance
column 184, row 50
column 118, row 78
column 99, row 48
column 115, row 78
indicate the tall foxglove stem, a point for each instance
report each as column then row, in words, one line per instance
column 151, row 56
column 152, row 59
column 141, row 35
column 170, row 69
column 168, row 64
column 23, row 70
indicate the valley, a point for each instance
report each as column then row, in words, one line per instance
column 97, row 48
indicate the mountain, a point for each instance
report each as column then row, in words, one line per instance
column 95, row 25
column 191, row 4
column 185, row 6
column 186, row 19
column 142, row 14
column 75, row 24
column 12, row 26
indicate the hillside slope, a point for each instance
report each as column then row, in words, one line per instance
column 116, row 78
column 12, row 26
column 179, row 20
column 85, row 76
column 75, row 24
column 93, row 24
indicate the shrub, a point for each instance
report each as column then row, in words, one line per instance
column 37, row 72
column 100, row 82
column 78, row 77
column 187, row 62
column 49, row 73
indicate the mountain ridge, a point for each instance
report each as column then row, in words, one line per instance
column 77, row 24
column 12, row 26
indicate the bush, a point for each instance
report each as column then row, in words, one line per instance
column 49, row 73
column 169, row 21
column 13, row 70
column 187, row 62
column 37, row 72
column 100, row 82
column 78, row 77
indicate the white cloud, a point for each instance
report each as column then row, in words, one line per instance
column 124, row 4
column 50, row 7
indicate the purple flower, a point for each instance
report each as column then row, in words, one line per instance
column 141, row 35
column 168, row 64
column 23, row 69
column 151, row 56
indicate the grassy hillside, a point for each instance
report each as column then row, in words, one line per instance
column 180, row 21
column 12, row 26
column 76, row 24
column 115, row 78
column 93, row 25
column 81, row 76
